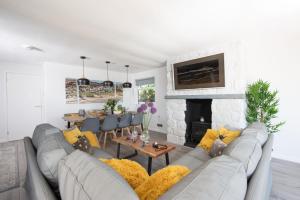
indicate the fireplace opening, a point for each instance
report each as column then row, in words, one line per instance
column 198, row 120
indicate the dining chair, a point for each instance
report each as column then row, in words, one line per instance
column 91, row 124
column 137, row 121
column 108, row 127
column 124, row 123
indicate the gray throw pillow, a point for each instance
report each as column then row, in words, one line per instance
column 83, row 177
column 217, row 148
column 50, row 151
column 221, row 178
column 247, row 150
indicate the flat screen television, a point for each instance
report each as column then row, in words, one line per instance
column 203, row 72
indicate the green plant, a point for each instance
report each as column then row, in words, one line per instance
column 147, row 93
column 262, row 105
column 110, row 104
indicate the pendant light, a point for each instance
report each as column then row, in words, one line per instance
column 107, row 83
column 127, row 84
column 83, row 81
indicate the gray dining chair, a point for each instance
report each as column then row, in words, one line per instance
column 108, row 127
column 91, row 124
column 124, row 123
column 137, row 121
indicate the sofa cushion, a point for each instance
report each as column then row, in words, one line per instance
column 134, row 173
column 161, row 181
column 221, row 178
column 50, row 151
column 71, row 135
column 193, row 159
column 257, row 130
column 217, row 148
column 246, row 149
column 83, row 177
column 42, row 131
column 208, row 139
column 228, row 135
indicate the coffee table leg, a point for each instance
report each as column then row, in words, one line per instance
column 118, row 150
column 167, row 159
column 149, row 165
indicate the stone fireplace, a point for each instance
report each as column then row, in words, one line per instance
column 227, row 104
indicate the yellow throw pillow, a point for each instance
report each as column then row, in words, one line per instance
column 131, row 171
column 92, row 138
column 208, row 139
column 229, row 135
column 161, row 181
column 72, row 135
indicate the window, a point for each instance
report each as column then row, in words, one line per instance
column 146, row 89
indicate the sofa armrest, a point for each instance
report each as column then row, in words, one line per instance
column 260, row 183
column 35, row 183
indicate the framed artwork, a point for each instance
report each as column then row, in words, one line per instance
column 203, row 72
column 71, row 91
column 93, row 93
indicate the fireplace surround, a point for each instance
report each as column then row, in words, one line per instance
column 228, row 104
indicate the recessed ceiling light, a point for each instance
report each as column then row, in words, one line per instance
column 32, row 48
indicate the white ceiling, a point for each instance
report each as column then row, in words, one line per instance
column 142, row 33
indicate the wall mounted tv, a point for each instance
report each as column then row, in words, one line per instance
column 203, row 72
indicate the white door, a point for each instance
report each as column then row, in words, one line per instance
column 24, row 104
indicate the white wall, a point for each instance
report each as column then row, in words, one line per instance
column 159, row 75
column 272, row 53
column 6, row 67
column 55, row 98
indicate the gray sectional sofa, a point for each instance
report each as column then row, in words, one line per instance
column 56, row 171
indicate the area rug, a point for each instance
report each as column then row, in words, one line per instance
column 12, row 165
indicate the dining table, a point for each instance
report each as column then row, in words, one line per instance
column 72, row 118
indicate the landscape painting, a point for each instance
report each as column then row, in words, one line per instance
column 203, row 72
column 93, row 93
column 119, row 91
column 71, row 91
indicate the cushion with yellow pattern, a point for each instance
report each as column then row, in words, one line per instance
column 131, row 171
column 72, row 135
column 161, row 181
column 208, row 139
column 92, row 138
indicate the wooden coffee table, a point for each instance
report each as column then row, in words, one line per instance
column 148, row 150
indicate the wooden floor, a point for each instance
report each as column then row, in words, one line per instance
column 286, row 180
column 286, row 175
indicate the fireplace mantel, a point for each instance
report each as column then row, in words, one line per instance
column 207, row 96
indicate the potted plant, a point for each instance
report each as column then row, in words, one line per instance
column 262, row 105
column 110, row 105
column 148, row 109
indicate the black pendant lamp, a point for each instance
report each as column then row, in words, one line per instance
column 107, row 83
column 83, row 81
column 127, row 84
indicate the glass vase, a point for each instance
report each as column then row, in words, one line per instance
column 145, row 137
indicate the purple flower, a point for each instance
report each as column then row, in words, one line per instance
column 139, row 110
column 144, row 106
column 150, row 104
column 153, row 110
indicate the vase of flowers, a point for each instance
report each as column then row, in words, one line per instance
column 148, row 109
